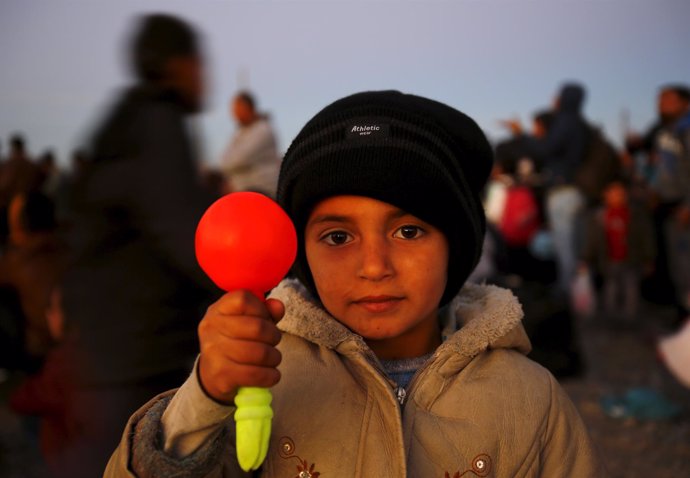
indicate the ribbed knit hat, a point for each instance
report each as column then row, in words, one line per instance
column 417, row 154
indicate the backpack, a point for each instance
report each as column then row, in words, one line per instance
column 520, row 220
column 600, row 165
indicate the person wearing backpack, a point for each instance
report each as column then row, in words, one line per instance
column 561, row 152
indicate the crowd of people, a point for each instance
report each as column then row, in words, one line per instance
column 608, row 225
column 101, row 293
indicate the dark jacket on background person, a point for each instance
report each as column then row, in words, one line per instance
column 563, row 148
column 133, row 292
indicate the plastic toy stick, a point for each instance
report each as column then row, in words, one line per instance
column 246, row 241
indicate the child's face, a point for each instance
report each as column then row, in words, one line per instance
column 379, row 271
column 615, row 195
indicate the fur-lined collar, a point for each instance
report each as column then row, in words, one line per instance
column 480, row 317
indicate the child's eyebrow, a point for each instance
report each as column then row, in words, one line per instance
column 328, row 218
column 397, row 214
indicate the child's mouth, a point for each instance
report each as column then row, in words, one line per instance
column 378, row 304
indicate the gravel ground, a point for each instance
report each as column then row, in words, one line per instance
column 620, row 357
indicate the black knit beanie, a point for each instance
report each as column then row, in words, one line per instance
column 419, row 155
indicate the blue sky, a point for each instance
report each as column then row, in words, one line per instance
column 61, row 61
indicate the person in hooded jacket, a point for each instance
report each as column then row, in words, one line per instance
column 385, row 362
column 561, row 152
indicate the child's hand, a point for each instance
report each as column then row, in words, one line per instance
column 237, row 338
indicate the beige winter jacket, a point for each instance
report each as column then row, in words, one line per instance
column 478, row 408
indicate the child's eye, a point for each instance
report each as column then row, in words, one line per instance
column 336, row 238
column 409, row 232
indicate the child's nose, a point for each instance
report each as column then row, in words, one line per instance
column 376, row 262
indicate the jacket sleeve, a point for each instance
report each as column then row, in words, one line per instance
column 567, row 449
column 140, row 452
column 544, row 149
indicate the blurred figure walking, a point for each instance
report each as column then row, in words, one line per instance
column 133, row 292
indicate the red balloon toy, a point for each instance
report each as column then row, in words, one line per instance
column 246, row 241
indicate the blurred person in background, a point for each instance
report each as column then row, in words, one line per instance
column 620, row 245
column 251, row 161
column 133, row 292
column 68, row 179
column 560, row 152
column 18, row 174
column 32, row 266
column 52, row 177
column 666, row 175
column 556, row 147
column 672, row 101
column 671, row 188
column 656, row 162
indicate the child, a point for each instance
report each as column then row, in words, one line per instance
column 620, row 244
column 384, row 368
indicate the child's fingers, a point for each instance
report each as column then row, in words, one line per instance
column 240, row 302
column 251, row 353
column 222, row 378
column 241, row 315
column 225, row 365
column 239, row 327
column 233, row 355
column 237, row 338
column 276, row 308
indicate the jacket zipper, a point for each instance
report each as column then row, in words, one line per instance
column 400, row 394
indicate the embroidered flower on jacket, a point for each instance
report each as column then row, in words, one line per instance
column 481, row 466
column 306, row 471
column 286, row 449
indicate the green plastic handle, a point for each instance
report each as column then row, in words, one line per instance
column 252, row 426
